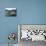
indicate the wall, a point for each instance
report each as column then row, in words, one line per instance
column 28, row 12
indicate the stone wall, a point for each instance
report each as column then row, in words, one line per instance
column 33, row 27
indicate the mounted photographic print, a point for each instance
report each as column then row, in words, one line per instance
column 30, row 34
column 10, row 11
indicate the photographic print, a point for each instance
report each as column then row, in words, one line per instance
column 10, row 11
